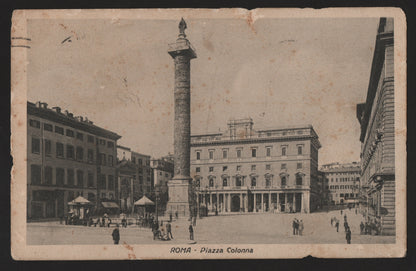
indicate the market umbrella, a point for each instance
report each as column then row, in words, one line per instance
column 144, row 201
column 80, row 200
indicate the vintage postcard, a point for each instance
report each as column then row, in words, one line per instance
column 198, row 133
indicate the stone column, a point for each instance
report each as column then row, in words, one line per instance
column 241, row 201
column 254, row 203
column 210, row 201
column 307, row 200
column 270, row 200
column 246, row 203
column 179, row 187
column 229, row 202
column 262, row 202
column 285, row 202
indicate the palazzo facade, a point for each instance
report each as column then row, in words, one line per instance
column 247, row 170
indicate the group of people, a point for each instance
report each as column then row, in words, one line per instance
column 297, row 226
column 370, row 227
column 335, row 223
column 162, row 232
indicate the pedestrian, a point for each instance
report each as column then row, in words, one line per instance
column 170, row 217
column 346, row 227
column 176, row 214
column 294, row 226
column 191, row 232
column 332, row 221
column 297, row 227
column 300, row 227
column 337, row 224
column 355, row 210
column 155, row 230
column 341, row 211
column 169, row 230
column 348, row 235
column 345, row 217
column 116, row 235
column 361, row 227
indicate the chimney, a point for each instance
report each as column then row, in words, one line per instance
column 57, row 109
column 38, row 104
column 44, row 105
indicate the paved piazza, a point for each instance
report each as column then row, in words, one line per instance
column 264, row 228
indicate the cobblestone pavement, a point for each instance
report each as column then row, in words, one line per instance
column 265, row 228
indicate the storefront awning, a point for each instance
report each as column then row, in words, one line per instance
column 110, row 204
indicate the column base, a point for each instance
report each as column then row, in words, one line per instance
column 178, row 197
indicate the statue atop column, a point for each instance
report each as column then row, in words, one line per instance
column 182, row 27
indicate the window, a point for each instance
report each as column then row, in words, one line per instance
column 268, row 182
column 211, row 182
column 110, row 182
column 238, row 181
column 59, row 149
column 133, row 159
column 69, row 151
column 80, row 136
column 59, row 130
column 102, row 160
column 253, row 181
column 283, row 151
column 140, row 179
column 110, row 160
column 47, row 127
column 103, row 195
column 238, row 153
column 299, row 165
column 198, row 155
column 69, row 133
column 253, row 167
column 148, row 179
column 253, row 152
column 48, row 175
column 90, row 155
column 80, row 154
column 298, row 180
column 48, row 147
column 60, row 177
column 140, row 162
column 224, row 154
column 110, row 144
column 268, row 167
column 102, row 142
column 35, row 174
column 299, row 150
column 211, row 155
column 283, row 166
column 224, row 182
column 80, row 178
column 90, row 179
column 90, row 139
column 224, row 168
column 103, row 184
column 166, row 175
column 211, row 169
column 238, row 168
column 198, row 169
column 35, row 145
column 268, row 151
column 70, row 177
column 34, row 123
column 111, row 196
column 283, row 180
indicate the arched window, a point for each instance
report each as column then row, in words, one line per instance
column 268, row 181
column 238, row 181
column 211, row 182
column 253, row 181
column 283, row 179
column 298, row 179
column 224, row 182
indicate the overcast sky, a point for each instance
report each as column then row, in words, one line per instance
column 278, row 71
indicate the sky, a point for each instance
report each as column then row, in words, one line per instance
column 277, row 71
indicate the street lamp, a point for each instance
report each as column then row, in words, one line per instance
column 216, row 199
column 157, row 190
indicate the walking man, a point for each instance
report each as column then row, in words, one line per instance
column 294, row 226
column 169, row 230
column 191, row 232
column 348, row 235
column 337, row 225
column 300, row 227
column 116, row 235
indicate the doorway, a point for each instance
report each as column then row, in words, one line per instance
column 235, row 203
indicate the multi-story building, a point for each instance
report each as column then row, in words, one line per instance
column 244, row 170
column 67, row 156
column 376, row 117
column 162, row 173
column 134, row 177
column 343, row 182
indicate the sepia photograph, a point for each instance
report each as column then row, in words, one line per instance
column 147, row 134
